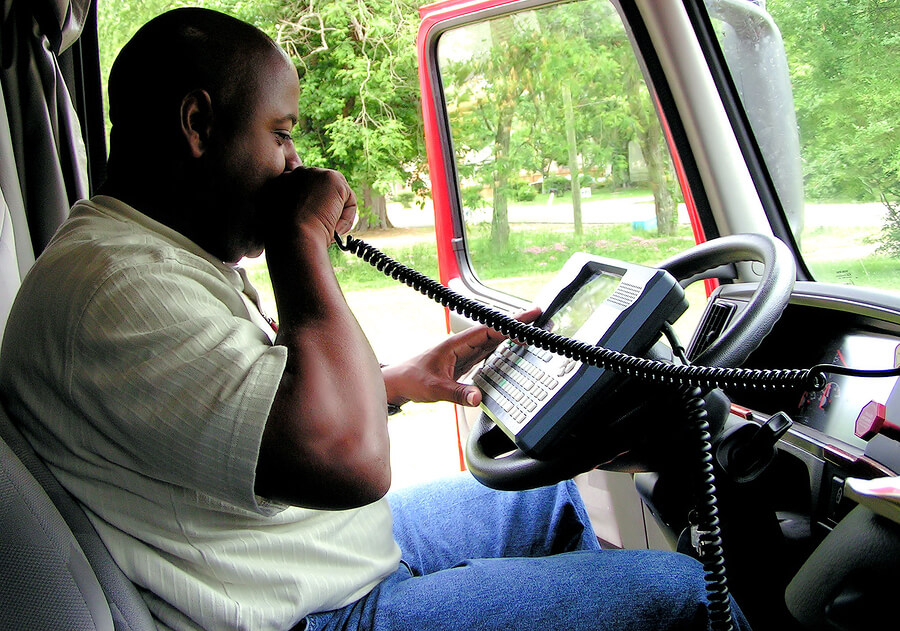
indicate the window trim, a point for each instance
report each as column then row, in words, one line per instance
column 743, row 131
column 454, row 262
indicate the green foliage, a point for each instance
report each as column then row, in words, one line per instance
column 472, row 199
column 524, row 192
column 119, row 20
column 405, row 198
column 360, row 100
column 843, row 55
column 890, row 232
column 359, row 94
column 557, row 183
column 359, row 104
column 543, row 89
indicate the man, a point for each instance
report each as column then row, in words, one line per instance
column 238, row 474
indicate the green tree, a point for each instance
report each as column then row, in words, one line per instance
column 843, row 55
column 890, row 232
column 558, row 85
column 359, row 103
column 359, row 97
column 119, row 20
column 572, row 70
column 647, row 132
column 485, row 92
column 592, row 71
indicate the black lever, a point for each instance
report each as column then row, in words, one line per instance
column 745, row 453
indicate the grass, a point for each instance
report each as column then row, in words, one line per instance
column 597, row 194
column 534, row 249
column 537, row 251
column 878, row 272
column 544, row 248
column 849, row 256
column 355, row 274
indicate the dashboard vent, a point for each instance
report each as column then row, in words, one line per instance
column 717, row 318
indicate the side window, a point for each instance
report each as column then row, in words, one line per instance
column 557, row 145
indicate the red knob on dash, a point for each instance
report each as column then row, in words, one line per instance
column 872, row 421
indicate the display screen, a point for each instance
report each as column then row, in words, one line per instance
column 833, row 410
column 572, row 314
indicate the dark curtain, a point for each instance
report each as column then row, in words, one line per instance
column 43, row 160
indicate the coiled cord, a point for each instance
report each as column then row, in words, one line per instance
column 706, row 377
column 709, row 541
column 690, row 378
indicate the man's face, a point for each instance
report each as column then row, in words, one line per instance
column 257, row 150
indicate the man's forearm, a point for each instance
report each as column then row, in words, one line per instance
column 326, row 432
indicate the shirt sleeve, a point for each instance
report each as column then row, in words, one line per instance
column 175, row 380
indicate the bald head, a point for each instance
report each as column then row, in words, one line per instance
column 202, row 106
column 178, row 52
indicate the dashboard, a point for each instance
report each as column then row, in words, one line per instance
column 822, row 324
column 824, row 329
column 830, row 556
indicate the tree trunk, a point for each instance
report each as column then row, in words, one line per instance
column 500, row 214
column 656, row 155
column 573, row 159
column 658, row 180
column 373, row 215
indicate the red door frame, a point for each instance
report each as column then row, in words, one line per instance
column 432, row 16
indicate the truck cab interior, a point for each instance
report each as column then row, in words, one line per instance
column 764, row 416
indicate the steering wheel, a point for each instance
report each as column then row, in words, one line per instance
column 495, row 460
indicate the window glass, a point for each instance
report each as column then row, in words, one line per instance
column 817, row 80
column 557, row 145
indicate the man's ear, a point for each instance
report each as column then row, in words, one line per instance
column 196, row 121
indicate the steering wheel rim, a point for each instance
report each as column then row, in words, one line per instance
column 515, row 470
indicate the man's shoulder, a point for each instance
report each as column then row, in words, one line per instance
column 98, row 242
column 99, row 261
column 107, row 234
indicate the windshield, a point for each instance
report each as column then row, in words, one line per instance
column 828, row 131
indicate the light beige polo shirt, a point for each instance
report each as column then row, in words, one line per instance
column 141, row 374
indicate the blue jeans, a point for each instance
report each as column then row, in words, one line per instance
column 479, row 559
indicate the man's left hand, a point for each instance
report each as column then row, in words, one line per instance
column 432, row 376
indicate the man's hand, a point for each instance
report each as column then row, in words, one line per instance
column 432, row 376
column 307, row 197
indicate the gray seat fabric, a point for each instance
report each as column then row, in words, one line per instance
column 57, row 574
column 9, row 265
column 47, row 580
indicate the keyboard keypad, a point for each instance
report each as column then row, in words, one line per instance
column 519, row 380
